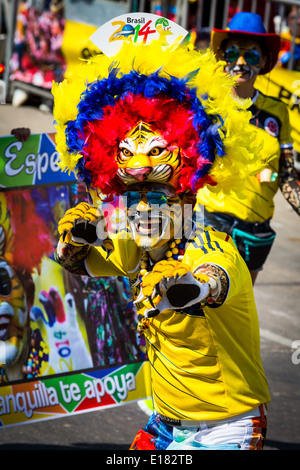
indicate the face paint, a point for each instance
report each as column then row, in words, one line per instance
column 243, row 58
column 154, row 216
column 243, row 70
column 150, row 228
column 252, row 57
column 13, row 313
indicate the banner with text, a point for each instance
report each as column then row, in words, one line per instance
column 61, row 396
column 54, row 325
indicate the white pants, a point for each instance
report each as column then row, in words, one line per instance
column 241, row 433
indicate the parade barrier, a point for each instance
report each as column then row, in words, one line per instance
column 68, row 343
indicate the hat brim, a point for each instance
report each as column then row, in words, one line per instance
column 271, row 43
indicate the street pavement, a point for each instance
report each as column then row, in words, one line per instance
column 277, row 293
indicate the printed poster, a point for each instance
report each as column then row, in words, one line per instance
column 76, row 44
column 37, row 57
column 48, row 42
column 68, row 343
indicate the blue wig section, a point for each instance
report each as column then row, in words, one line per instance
column 107, row 91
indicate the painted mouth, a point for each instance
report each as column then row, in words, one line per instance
column 149, row 227
column 151, row 224
column 4, row 325
column 6, row 314
column 243, row 72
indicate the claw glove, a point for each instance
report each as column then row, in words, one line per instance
column 84, row 224
column 171, row 285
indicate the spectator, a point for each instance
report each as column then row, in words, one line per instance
column 249, row 51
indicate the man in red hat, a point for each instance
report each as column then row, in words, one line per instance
column 249, row 51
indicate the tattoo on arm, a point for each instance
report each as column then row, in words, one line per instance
column 221, row 277
column 72, row 257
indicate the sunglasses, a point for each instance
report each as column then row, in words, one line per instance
column 251, row 57
column 153, row 198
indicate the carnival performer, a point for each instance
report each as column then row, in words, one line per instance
column 154, row 124
column 249, row 51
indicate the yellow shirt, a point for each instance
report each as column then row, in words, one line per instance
column 205, row 366
column 257, row 202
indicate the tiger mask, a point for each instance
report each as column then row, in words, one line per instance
column 145, row 156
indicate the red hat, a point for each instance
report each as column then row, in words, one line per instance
column 249, row 25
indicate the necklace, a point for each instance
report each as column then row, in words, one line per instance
column 175, row 252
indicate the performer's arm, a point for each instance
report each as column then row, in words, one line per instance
column 81, row 228
column 288, row 180
column 219, row 283
column 172, row 284
column 72, row 257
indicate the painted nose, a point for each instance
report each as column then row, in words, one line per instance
column 241, row 60
column 139, row 166
column 143, row 204
column 139, row 174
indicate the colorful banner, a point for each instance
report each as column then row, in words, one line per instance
column 31, row 162
column 61, row 396
column 284, row 85
column 62, row 337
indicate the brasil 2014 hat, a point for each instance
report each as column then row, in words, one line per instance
column 249, row 25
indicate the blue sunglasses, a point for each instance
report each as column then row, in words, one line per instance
column 251, row 57
column 153, row 198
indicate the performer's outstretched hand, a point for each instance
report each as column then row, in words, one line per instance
column 173, row 286
column 85, row 225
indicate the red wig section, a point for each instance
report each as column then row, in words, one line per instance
column 173, row 120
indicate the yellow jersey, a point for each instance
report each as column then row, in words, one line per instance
column 256, row 204
column 206, row 362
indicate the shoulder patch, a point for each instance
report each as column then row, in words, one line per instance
column 271, row 126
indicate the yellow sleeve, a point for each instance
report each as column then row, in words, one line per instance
column 124, row 261
column 285, row 137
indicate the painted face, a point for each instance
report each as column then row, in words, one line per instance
column 13, row 312
column 145, row 156
column 244, row 58
column 154, row 214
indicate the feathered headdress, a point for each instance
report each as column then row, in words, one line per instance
column 183, row 94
